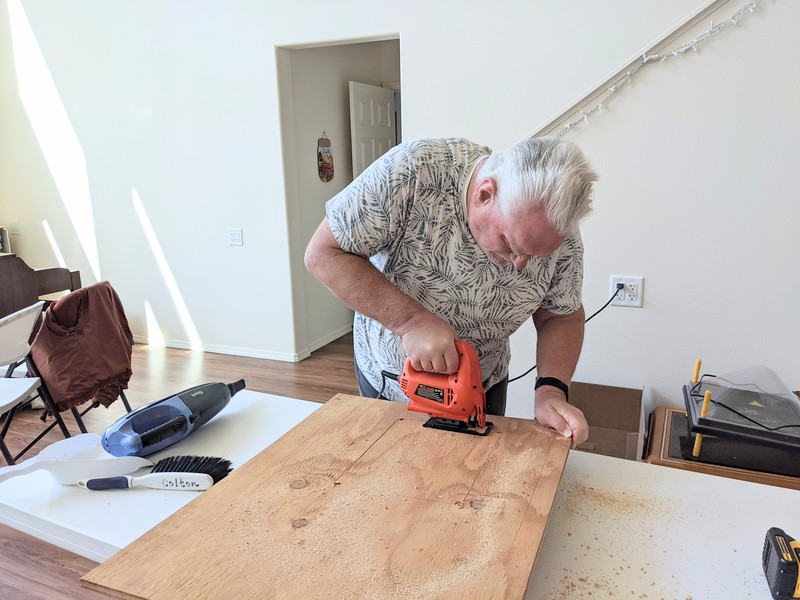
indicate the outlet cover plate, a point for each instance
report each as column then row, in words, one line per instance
column 631, row 295
column 235, row 237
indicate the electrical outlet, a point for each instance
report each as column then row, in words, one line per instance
column 235, row 237
column 13, row 228
column 632, row 294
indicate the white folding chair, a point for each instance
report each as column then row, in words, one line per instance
column 16, row 331
column 14, row 392
column 15, row 334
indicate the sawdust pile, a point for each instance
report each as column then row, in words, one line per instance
column 590, row 502
column 613, row 576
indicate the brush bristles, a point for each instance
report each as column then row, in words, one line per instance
column 217, row 467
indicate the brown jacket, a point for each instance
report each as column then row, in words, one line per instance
column 83, row 349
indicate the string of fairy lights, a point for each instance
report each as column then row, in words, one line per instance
column 649, row 59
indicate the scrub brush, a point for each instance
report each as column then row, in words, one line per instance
column 187, row 473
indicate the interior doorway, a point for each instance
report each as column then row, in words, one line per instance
column 313, row 85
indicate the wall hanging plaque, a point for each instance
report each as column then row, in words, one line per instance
column 324, row 158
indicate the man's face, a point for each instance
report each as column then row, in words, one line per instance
column 513, row 240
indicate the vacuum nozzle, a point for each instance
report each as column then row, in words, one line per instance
column 236, row 386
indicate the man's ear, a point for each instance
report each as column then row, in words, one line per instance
column 487, row 191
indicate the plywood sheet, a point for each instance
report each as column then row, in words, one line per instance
column 358, row 501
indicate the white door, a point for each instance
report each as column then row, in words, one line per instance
column 372, row 126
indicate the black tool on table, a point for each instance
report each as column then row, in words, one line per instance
column 780, row 558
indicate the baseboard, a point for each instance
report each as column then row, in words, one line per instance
column 317, row 344
column 232, row 350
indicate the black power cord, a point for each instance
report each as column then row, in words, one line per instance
column 620, row 286
column 384, row 376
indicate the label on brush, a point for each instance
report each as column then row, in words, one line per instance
column 430, row 393
column 180, row 483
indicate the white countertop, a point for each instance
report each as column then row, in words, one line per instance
column 625, row 529
column 619, row 529
column 96, row 524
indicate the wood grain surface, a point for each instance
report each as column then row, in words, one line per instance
column 35, row 570
column 358, row 501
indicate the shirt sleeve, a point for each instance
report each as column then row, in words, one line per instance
column 564, row 294
column 367, row 215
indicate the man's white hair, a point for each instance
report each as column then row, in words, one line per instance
column 543, row 171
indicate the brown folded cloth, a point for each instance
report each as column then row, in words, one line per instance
column 83, row 349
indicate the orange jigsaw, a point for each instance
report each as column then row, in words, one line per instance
column 455, row 401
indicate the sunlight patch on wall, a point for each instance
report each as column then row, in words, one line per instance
column 155, row 337
column 54, row 132
column 163, row 266
column 54, row 244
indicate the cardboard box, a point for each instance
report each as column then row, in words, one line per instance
column 615, row 416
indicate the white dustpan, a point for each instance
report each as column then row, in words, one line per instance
column 75, row 458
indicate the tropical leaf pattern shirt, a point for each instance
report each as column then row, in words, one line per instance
column 407, row 214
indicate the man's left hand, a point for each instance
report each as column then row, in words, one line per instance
column 552, row 410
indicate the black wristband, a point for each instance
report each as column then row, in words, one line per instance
column 556, row 383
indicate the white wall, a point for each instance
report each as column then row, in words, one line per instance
column 698, row 192
column 180, row 101
column 175, row 103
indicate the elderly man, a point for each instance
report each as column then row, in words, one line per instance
column 442, row 239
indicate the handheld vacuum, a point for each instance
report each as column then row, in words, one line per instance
column 155, row 426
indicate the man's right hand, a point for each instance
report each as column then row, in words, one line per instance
column 430, row 345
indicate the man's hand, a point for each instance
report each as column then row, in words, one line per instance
column 430, row 344
column 558, row 346
column 552, row 410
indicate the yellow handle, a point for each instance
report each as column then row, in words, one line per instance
column 698, row 439
column 795, row 546
column 696, row 370
column 706, row 403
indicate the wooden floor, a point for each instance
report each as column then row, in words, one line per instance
column 32, row 569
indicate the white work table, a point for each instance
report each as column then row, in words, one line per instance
column 625, row 529
column 97, row 524
column 618, row 529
